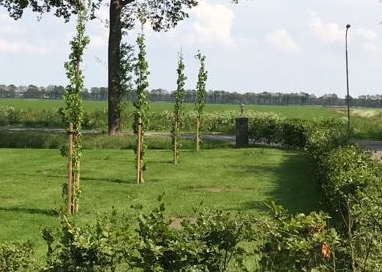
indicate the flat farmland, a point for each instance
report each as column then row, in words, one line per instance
column 300, row 112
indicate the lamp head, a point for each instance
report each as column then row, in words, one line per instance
column 347, row 26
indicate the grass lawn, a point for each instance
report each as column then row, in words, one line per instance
column 227, row 179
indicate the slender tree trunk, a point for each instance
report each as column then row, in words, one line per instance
column 69, row 197
column 198, row 132
column 115, row 37
column 175, row 141
column 140, row 152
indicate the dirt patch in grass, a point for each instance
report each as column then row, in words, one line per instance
column 215, row 189
column 176, row 222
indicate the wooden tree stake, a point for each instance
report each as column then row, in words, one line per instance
column 139, row 152
column 175, row 144
column 69, row 198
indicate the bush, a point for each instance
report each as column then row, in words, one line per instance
column 298, row 243
column 294, row 133
column 324, row 136
column 351, row 181
column 17, row 257
column 27, row 139
column 212, row 241
column 103, row 246
column 266, row 128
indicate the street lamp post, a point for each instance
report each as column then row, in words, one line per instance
column 347, row 79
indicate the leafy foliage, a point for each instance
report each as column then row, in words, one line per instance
column 351, row 182
column 298, row 243
column 266, row 128
column 63, row 9
column 212, row 241
column 103, row 246
column 17, row 257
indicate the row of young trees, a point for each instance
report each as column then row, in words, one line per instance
column 73, row 113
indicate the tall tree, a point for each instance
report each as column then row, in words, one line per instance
column 162, row 15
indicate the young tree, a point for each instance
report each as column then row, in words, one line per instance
column 201, row 96
column 162, row 15
column 141, row 105
column 73, row 111
column 179, row 97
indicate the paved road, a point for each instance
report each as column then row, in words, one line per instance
column 374, row 146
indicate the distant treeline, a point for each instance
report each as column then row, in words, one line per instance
column 214, row 97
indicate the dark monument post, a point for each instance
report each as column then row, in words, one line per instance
column 241, row 129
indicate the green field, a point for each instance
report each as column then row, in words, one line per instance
column 366, row 123
column 227, row 179
column 302, row 112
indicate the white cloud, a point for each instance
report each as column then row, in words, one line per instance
column 368, row 39
column 98, row 30
column 363, row 3
column 281, row 40
column 213, row 24
column 367, row 35
column 369, row 46
column 326, row 32
column 8, row 25
column 97, row 41
column 18, row 47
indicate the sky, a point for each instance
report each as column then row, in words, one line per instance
column 286, row 46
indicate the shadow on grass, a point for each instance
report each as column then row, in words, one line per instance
column 48, row 212
column 160, row 162
column 132, row 181
column 112, row 180
column 85, row 178
column 295, row 188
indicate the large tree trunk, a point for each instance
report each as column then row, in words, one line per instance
column 115, row 37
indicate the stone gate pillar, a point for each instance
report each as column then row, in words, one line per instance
column 242, row 131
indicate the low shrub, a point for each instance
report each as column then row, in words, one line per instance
column 31, row 139
column 266, row 128
column 103, row 246
column 351, row 182
column 211, row 240
column 298, row 242
column 294, row 133
column 17, row 257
